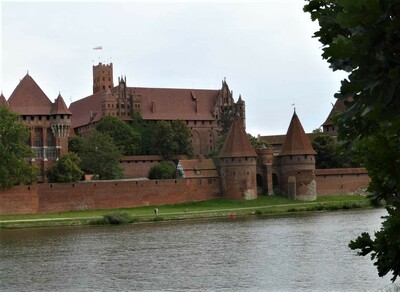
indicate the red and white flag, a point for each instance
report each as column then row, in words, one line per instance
column 98, row 48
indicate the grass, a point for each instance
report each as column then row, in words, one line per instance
column 263, row 205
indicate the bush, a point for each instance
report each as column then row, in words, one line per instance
column 163, row 170
column 117, row 218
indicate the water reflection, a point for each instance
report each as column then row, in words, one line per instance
column 302, row 252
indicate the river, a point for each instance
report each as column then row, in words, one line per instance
column 299, row 252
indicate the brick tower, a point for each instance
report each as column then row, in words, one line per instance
column 60, row 123
column 297, row 164
column 102, row 77
column 237, row 162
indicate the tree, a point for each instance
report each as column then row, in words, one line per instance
column 257, row 143
column 362, row 38
column 166, row 145
column 75, row 144
column 66, row 169
column 163, row 170
column 182, row 137
column 124, row 136
column 100, row 156
column 14, row 169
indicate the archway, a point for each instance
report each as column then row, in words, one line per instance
column 260, row 184
column 275, row 184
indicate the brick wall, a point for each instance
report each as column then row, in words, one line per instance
column 341, row 181
column 49, row 198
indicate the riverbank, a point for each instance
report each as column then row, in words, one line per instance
column 219, row 208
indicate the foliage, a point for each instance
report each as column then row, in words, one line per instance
column 75, row 144
column 361, row 38
column 256, row 143
column 124, row 136
column 66, row 169
column 166, row 146
column 227, row 115
column 182, row 137
column 100, row 156
column 330, row 155
column 116, row 219
column 14, row 169
column 163, row 170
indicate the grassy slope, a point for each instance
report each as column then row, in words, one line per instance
column 212, row 208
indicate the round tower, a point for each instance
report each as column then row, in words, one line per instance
column 237, row 162
column 297, row 164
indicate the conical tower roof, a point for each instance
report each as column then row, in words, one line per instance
column 296, row 141
column 59, row 107
column 28, row 99
column 3, row 100
column 337, row 108
column 237, row 143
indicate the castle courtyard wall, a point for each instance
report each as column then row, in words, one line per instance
column 96, row 195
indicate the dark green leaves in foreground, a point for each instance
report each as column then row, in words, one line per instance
column 362, row 37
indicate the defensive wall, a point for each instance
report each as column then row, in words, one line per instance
column 341, row 181
column 95, row 195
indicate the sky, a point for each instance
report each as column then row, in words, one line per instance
column 264, row 49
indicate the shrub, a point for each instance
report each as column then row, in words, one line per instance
column 163, row 170
column 117, row 218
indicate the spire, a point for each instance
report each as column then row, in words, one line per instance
column 3, row 100
column 59, row 107
column 29, row 99
column 237, row 143
column 296, row 141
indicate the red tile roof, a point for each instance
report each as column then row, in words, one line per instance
column 156, row 104
column 28, row 99
column 86, row 110
column 59, row 107
column 237, row 143
column 296, row 141
column 198, row 168
column 337, row 108
column 3, row 100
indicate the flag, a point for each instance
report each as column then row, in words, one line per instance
column 98, row 48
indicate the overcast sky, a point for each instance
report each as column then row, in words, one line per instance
column 264, row 49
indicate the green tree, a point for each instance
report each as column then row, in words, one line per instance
column 362, row 38
column 75, row 144
column 66, row 169
column 256, row 143
column 166, row 145
column 14, row 169
column 100, row 156
column 182, row 137
column 124, row 136
column 163, row 170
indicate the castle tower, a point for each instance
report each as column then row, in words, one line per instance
column 237, row 162
column 60, row 123
column 102, row 77
column 3, row 100
column 297, row 164
column 240, row 108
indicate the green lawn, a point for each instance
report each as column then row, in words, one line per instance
column 263, row 205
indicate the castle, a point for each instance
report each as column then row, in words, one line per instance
column 243, row 172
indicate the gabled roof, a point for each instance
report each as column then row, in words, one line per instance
column 86, row 110
column 198, row 168
column 237, row 143
column 296, row 141
column 29, row 99
column 3, row 100
column 337, row 108
column 155, row 104
column 59, row 107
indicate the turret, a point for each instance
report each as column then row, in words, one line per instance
column 60, row 123
column 3, row 100
column 297, row 164
column 102, row 77
column 237, row 162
